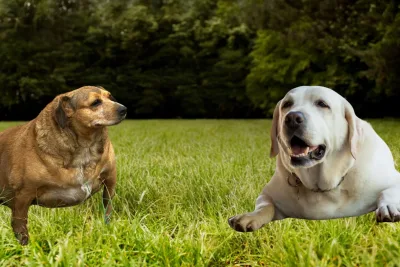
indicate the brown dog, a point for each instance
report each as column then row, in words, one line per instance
column 61, row 157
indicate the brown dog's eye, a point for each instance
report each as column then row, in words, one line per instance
column 287, row 104
column 322, row 104
column 96, row 103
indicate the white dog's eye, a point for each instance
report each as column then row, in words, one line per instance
column 287, row 104
column 322, row 104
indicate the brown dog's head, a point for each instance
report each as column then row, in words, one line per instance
column 88, row 107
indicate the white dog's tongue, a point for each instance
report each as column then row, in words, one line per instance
column 298, row 150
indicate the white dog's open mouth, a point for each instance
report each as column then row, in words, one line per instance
column 301, row 151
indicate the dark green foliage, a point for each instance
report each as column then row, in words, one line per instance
column 198, row 58
column 350, row 46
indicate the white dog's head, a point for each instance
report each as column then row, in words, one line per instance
column 311, row 122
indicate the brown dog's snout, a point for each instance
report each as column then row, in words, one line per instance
column 122, row 111
column 294, row 119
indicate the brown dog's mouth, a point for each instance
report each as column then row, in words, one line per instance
column 103, row 124
column 301, row 150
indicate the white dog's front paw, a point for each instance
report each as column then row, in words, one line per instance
column 388, row 213
column 247, row 222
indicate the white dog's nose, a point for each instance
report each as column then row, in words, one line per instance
column 294, row 119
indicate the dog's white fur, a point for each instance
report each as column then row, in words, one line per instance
column 357, row 174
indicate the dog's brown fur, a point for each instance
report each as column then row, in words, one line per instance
column 61, row 157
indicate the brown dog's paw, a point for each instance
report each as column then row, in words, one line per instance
column 107, row 219
column 388, row 213
column 22, row 238
column 244, row 222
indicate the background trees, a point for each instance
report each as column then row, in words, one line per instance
column 199, row 58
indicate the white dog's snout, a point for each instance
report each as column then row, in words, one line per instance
column 294, row 119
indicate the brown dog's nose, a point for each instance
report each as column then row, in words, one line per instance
column 122, row 110
column 294, row 119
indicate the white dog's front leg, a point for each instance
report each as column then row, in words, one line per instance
column 248, row 222
column 389, row 205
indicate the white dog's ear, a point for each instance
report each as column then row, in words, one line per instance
column 275, row 131
column 354, row 128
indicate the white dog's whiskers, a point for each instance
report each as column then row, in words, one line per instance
column 283, row 144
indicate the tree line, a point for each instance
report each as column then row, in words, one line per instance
column 199, row 58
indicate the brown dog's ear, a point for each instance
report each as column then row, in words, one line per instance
column 63, row 111
column 354, row 128
column 275, row 131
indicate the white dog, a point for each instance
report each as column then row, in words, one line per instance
column 330, row 164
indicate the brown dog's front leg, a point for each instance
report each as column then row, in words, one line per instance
column 19, row 218
column 108, row 194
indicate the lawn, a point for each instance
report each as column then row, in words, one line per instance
column 178, row 183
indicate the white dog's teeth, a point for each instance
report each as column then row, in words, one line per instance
column 307, row 149
column 299, row 155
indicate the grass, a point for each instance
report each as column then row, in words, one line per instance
column 179, row 181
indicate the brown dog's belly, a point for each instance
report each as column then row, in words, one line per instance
column 57, row 197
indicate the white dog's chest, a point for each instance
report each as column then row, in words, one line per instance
column 321, row 206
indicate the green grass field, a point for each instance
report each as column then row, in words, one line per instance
column 178, row 182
